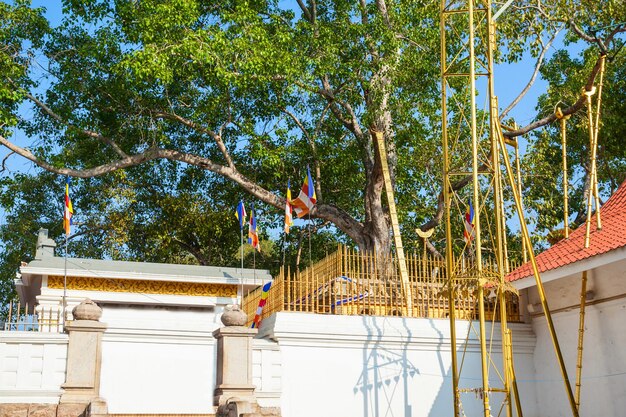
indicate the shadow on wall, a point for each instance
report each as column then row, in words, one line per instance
column 386, row 373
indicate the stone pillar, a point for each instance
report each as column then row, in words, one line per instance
column 84, row 356
column 234, row 364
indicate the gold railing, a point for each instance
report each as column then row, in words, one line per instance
column 348, row 282
column 25, row 317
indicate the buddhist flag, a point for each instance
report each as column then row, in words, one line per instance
column 69, row 211
column 468, row 222
column 264, row 294
column 241, row 214
column 288, row 210
column 253, row 236
column 306, row 199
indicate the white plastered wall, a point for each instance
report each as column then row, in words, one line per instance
column 603, row 390
column 158, row 360
column 32, row 366
column 384, row 366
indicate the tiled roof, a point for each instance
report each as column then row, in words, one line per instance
column 611, row 236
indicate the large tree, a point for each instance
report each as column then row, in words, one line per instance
column 252, row 92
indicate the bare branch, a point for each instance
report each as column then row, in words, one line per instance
column 191, row 124
column 533, row 77
column 311, row 140
column 4, row 161
column 352, row 124
column 305, row 11
column 570, row 110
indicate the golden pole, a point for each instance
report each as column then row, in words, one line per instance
column 518, row 170
column 563, row 119
column 518, row 405
column 501, row 253
column 581, row 334
column 447, row 190
column 404, row 276
column 595, row 141
column 540, row 289
column 592, row 170
column 476, row 203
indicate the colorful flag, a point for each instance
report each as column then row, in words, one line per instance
column 468, row 222
column 306, row 198
column 264, row 293
column 69, row 211
column 253, row 236
column 241, row 214
column 288, row 210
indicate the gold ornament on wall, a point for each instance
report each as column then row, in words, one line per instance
column 135, row 286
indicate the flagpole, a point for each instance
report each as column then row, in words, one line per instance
column 241, row 275
column 64, row 286
column 309, row 225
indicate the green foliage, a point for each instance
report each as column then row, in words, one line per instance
column 252, row 93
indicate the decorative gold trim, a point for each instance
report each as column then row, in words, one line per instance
column 136, row 286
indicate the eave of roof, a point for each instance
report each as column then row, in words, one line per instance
column 143, row 271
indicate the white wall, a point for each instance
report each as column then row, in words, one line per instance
column 267, row 372
column 383, row 366
column 603, row 390
column 32, row 366
column 158, row 359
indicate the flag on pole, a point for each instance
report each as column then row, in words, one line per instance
column 69, row 211
column 468, row 221
column 241, row 214
column 264, row 293
column 288, row 210
column 306, row 198
column 253, row 236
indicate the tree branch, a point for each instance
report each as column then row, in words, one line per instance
column 216, row 137
column 47, row 110
column 316, row 164
column 570, row 110
column 533, row 77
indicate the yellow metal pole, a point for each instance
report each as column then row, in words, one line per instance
column 581, row 335
column 518, row 171
column 563, row 121
column 518, row 404
column 404, row 276
column 477, row 207
column 447, row 190
column 592, row 170
column 540, row 289
column 595, row 139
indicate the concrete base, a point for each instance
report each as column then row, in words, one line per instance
column 98, row 408
column 238, row 407
column 43, row 410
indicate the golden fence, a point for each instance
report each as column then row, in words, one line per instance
column 25, row 317
column 348, row 282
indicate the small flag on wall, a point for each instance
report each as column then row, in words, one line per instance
column 264, row 293
column 69, row 211
column 306, row 198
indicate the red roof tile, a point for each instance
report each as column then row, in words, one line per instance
column 611, row 236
